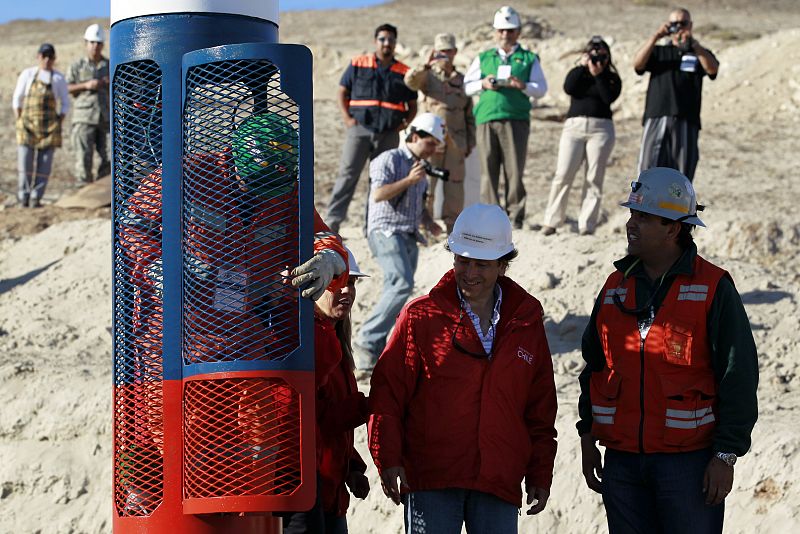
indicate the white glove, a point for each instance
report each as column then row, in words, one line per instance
column 316, row 274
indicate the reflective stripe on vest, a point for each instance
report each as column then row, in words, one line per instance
column 695, row 292
column 387, row 105
column 609, row 298
column 603, row 415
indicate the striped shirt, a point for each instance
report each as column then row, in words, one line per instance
column 487, row 339
column 402, row 213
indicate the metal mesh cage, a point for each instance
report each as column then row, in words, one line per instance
column 240, row 214
column 138, row 307
column 241, row 438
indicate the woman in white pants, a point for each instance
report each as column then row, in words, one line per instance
column 588, row 135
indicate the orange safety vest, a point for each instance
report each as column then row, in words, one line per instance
column 657, row 395
column 378, row 101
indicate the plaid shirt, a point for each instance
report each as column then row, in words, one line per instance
column 39, row 125
column 403, row 213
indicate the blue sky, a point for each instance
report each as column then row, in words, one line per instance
column 80, row 9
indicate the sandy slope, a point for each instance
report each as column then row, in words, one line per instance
column 55, row 285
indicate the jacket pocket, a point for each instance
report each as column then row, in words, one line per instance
column 604, row 393
column 689, row 418
column 678, row 342
column 363, row 85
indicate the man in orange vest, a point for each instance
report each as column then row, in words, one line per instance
column 376, row 105
column 669, row 386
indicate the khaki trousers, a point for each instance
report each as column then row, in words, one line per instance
column 504, row 142
column 452, row 191
column 586, row 139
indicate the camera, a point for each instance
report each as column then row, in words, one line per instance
column 436, row 172
column 674, row 27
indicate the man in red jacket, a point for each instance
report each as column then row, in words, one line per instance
column 463, row 399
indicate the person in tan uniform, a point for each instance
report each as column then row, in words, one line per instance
column 442, row 87
column 88, row 80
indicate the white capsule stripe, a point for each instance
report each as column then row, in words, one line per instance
column 603, row 419
column 604, row 409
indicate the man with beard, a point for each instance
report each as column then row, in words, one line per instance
column 376, row 105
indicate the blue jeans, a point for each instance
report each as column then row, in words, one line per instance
column 397, row 255
column 444, row 511
column 658, row 493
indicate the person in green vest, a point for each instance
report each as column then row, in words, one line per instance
column 506, row 78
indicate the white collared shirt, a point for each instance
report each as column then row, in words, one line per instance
column 535, row 87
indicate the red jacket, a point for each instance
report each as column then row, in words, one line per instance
column 658, row 395
column 454, row 420
column 340, row 409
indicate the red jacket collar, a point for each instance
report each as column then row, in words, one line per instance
column 518, row 304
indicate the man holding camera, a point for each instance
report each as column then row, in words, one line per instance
column 506, row 78
column 672, row 109
column 395, row 211
column 443, row 89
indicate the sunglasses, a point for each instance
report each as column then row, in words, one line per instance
column 681, row 23
column 461, row 348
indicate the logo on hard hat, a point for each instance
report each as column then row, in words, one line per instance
column 675, row 190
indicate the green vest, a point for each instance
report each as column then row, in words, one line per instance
column 505, row 103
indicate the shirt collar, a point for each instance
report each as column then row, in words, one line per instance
column 498, row 301
column 684, row 265
column 502, row 53
column 406, row 151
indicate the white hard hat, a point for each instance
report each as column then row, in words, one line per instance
column 94, row 33
column 664, row 192
column 506, row 18
column 353, row 264
column 429, row 123
column 482, row 232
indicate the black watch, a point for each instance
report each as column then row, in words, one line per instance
column 727, row 457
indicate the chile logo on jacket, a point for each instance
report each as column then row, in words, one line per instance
column 525, row 355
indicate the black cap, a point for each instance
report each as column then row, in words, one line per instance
column 47, row 50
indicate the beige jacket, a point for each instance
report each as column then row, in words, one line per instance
column 444, row 95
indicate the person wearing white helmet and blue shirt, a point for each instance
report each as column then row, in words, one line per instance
column 506, row 78
column 671, row 374
column 88, row 83
column 395, row 211
column 463, row 400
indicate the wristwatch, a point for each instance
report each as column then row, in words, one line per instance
column 727, row 457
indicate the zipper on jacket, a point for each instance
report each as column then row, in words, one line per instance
column 642, row 338
column 641, row 395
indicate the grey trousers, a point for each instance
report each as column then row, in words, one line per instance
column 32, row 180
column 586, row 139
column 360, row 144
column 86, row 139
column 670, row 142
column 504, row 143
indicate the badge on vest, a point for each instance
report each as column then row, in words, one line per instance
column 231, row 292
column 689, row 63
